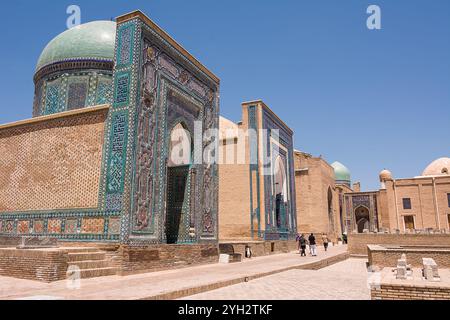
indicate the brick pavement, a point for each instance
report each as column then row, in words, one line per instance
column 167, row 284
column 346, row 280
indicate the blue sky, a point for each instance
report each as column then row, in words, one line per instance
column 369, row 99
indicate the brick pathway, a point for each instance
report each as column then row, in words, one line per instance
column 181, row 282
column 346, row 280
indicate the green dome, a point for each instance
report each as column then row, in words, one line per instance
column 93, row 40
column 341, row 172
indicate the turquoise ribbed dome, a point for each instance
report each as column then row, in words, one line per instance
column 93, row 40
column 341, row 172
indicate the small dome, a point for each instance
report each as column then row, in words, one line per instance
column 385, row 175
column 438, row 167
column 89, row 41
column 342, row 174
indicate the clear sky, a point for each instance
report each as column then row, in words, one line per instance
column 369, row 99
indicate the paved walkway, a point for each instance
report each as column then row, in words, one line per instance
column 345, row 280
column 167, row 284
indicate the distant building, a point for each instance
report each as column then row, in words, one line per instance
column 256, row 181
column 327, row 202
column 320, row 195
column 417, row 203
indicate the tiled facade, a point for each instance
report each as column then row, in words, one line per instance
column 85, row 183
column 248, row 190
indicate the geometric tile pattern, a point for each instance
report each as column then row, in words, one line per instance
column 71, row 90
column 54, row 226
column 278, row 130
column 114, row 226
column 38, row 226
column 23, row 227
column 93, row 225
column 52, row 165
column 71, row 226
column 111, row 218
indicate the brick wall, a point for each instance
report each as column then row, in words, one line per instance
column 43, row 265
column 9, row 242
column 382, row 257
column 357, row 243
column 398, row 292
column 52, row 164
column 260, row 249
column 134, row 260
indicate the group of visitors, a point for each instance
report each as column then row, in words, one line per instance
column 311, row 242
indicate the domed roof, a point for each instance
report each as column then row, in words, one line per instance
column 385, row 175
column 341, row 172
column 438, row 167
column 93, row 40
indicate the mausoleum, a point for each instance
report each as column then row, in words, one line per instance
column 113, row 102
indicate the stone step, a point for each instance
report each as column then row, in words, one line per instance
column 89, row 256
column 80, row 250
column 94, row 273
column 89, row 264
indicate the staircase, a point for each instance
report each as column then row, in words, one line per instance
column 91, row 262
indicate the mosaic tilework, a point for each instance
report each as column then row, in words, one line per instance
column 93, row 225
column 116, row 161
column 125, row 54
column 122, row 89
column 254, row 172
column 23, row 227
column 63, row 225
column 114, row 226
column 71, row 226
column 77, row 94
column 72, row 90
column 38, row 226
column 8, row 227
column 54, row 226
column 113, row 216
column 52, row 99
column 272, row 125
column 103, row 93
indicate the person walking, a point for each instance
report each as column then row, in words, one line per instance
column 325, row 241
column 297, row 239
column 312, row 245
column 302, row 243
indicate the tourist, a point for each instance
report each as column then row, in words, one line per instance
column 325, row 241
column 344, row 237
column 312, row 245
column 302, row 243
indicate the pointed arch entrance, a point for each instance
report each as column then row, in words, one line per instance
column 178, row 166
column 362, row 216
column 281, row 194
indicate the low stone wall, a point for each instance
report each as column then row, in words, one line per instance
column 387, row 257
column 260, row 248
column 133, row 260
column 408, row 292
column 40, row 265
column 357, row 243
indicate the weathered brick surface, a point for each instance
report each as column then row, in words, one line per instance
column 383, row 257
column 357, row 243
column 158, row 257
column 9, row 242
column 53, row 163
column 398, row 292
column 40, row 265
column 264, row 248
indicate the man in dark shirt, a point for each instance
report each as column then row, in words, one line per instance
column 312, row 245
